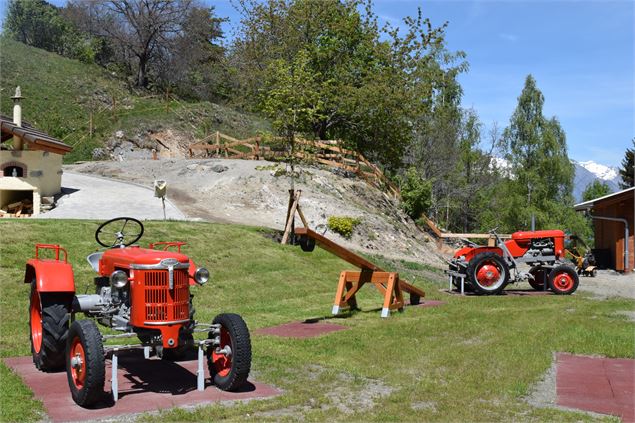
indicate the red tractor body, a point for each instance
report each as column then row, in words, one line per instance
column 486, row 269
column 143, row 293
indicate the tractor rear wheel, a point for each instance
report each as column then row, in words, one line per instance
column 85, row 367
column 563, row 280
column 488, row 273
column 48, row 324
column 229, row 363
column 540, row 275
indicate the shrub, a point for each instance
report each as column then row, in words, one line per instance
column 343, row 225
column 416, row 194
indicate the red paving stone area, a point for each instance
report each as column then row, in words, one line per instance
column 427, row 303
column 306, row 329
column 507, row 292
column 313, row 328
column 601, row 385
column 144, row 385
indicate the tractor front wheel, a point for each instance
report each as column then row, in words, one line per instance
column 85, row 367
column 229, row 363
column 563, row 280
column 540, row 275
column 488, row 273
column 48, row 324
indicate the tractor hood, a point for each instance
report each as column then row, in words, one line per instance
column 136, row 257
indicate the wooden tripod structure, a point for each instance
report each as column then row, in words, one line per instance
column 389, row 285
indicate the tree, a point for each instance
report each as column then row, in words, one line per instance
column 626, row 171
column 42, row 25
column 595, row 189
column 291, row 98
column 542, row 173
column 34, row 22
column 371, row 82
column 140, row 30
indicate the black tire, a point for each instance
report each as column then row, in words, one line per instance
column 563, row 280
column 86, row 378
column 234, row 332
column 307, row 243
column 540, row 276
column 48, row 338
column 415, row 299
column 477, row 264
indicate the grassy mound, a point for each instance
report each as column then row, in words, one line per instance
column 61, row 94
column 470, row 359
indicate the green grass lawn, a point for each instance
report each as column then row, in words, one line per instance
column 471, row 359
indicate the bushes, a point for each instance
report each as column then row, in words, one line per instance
column 343, row 225
column 416, row 194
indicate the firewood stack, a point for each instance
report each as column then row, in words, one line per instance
column 22, row 208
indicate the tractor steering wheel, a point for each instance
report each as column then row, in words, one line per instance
column 109, row 228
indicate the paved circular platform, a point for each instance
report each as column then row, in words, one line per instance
column 144, row 385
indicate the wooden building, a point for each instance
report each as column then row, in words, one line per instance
column 613, row 222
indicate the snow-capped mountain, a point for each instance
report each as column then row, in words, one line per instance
column 587, row 172
column 606, row 173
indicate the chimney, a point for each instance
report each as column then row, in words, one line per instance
column 17, row 117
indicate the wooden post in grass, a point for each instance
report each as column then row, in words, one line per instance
column 294, row 206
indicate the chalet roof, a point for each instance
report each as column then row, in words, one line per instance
column 591, row 203
column 36, row 140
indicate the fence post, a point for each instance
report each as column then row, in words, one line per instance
column 217, row 143
column 114, row 107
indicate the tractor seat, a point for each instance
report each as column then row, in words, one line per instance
column 93, row 260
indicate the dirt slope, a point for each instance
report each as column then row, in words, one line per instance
column 255, row 193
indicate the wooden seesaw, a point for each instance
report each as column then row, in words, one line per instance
column 390, row 286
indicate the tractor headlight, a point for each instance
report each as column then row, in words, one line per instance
column 201, row 276
column 119, row 279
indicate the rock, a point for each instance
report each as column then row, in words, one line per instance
column 119, row 134
column 100, row 154
column 192, row 166
column 219, row 168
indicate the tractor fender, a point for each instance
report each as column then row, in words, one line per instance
column 470, row 252
column 50, row 275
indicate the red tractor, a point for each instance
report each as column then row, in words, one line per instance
column 486, row 269
column 143, row 293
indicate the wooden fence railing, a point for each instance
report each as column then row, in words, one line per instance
column 326, row 152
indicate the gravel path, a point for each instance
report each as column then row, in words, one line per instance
column 89, row 197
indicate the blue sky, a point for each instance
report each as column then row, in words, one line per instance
column 581, row 54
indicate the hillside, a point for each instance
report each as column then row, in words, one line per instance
column 255, row 193
column 60, row 95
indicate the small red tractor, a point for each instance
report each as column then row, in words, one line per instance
column 143, row 293
column 486, row 269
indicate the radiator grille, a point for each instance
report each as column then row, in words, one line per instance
column 161, row 304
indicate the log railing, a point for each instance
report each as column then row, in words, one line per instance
column 326, row 152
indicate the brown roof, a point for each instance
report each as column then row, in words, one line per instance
column 36, row 140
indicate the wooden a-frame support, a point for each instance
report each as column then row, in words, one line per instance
column 389, row 285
